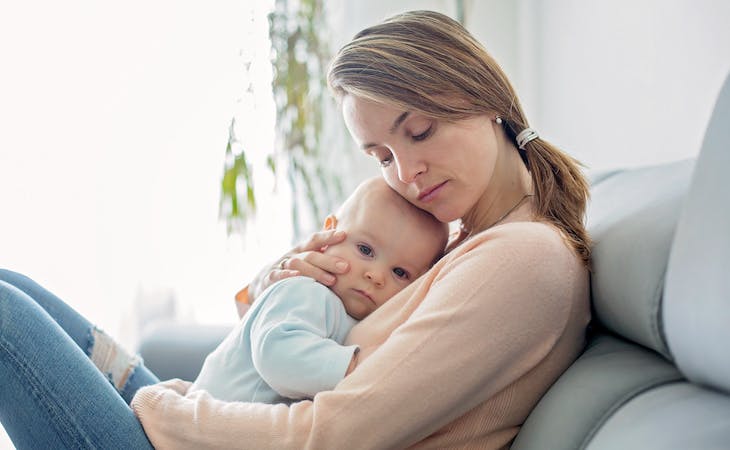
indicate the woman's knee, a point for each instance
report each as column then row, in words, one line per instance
column 13, row 278
column 15, row 308
column 18, row 309
column 9, row 298
column 19, row 281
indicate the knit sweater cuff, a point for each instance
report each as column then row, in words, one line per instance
column 147, row 399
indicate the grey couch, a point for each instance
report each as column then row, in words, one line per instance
column 656, row 371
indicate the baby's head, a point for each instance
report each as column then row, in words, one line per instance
column 389, row 244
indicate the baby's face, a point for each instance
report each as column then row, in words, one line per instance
column 387, row 250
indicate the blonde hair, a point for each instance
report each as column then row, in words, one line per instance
column 427, row 62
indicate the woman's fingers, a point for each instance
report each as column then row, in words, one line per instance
column 319, row 240
column 319, row 266
column 280, row 274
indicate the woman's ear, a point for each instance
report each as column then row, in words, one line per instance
column 330, row 222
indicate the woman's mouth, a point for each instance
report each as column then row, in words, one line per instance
column 428, row 194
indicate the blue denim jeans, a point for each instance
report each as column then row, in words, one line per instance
column 51, row 393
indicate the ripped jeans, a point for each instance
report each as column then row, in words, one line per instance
column 63, row 382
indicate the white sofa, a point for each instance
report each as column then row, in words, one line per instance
column 656, row 371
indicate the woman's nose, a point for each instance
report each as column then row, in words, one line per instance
column 375, row 276
column 409, row 167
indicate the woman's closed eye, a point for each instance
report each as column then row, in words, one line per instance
column 423, row 135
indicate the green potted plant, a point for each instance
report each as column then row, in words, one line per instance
column 299, row 59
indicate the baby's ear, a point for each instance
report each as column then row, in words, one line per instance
column 330, row 222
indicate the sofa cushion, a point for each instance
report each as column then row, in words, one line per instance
column 177, row 350
column 697, row 303
column 631, row 218
column 676, row 416
column 608, row 374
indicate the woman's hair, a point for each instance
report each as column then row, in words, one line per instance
column 427, row 62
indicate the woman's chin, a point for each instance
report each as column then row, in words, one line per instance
column 445, row 216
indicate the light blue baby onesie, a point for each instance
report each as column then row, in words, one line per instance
column 287, row 347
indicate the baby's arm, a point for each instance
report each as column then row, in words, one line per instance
column 294, row 340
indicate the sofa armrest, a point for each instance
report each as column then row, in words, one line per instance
column 177, row 350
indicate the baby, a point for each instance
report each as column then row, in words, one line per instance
column 288, row 346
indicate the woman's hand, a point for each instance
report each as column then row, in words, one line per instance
column 305, row 259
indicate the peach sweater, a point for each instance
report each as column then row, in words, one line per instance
column 465, row 352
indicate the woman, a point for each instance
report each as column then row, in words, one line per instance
column 462, row 355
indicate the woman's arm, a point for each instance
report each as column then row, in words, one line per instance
column 490, row 316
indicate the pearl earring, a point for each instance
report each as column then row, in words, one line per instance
column 498, row 120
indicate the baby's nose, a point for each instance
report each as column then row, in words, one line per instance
column 375, row 276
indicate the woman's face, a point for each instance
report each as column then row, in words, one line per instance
column 441, row 167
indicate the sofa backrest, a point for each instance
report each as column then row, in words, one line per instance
column 631, row 219
column 696, row 313
column 661, row 299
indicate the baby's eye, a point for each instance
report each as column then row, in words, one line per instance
column 400, row 273
column 365, row 249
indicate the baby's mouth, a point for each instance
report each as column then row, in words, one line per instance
column 362, row 293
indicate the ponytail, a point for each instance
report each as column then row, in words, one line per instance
column 561, row 192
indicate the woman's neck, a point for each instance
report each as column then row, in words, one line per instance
column 509, row 190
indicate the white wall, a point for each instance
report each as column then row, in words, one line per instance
column 114, row 123
column 615, row 83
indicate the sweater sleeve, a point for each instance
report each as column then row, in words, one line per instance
column 478, row 329
column 293, row 344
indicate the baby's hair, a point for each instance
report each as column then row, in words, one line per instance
column 378, row 186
